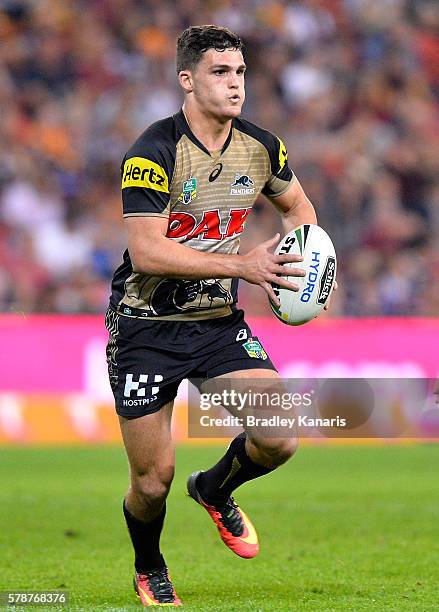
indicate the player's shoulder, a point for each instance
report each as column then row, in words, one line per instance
column 160, row 138
column 148, row 166
column 266, row 138
column 274, row 146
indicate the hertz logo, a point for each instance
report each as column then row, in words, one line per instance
column 141, row 172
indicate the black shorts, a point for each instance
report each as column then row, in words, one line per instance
column 147, row 360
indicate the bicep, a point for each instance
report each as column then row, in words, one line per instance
column 291, row 198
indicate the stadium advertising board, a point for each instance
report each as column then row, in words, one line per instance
column 54, row 386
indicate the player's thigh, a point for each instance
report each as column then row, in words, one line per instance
column 149, row 445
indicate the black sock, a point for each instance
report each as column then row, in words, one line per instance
column 146, row 540
column 231, row 471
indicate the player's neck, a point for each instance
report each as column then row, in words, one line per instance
column 211, row 132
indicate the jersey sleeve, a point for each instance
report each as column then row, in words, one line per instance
column 146, row 174
column 281, row 174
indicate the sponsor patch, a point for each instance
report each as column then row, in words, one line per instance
column 254, row 349
column 141, row 172
column 189, row 192
column 142, row 391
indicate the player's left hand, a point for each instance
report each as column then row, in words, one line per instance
column 328, row 303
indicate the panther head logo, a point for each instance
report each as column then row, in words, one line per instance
column 242, row 180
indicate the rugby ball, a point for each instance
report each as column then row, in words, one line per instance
column 320, row 264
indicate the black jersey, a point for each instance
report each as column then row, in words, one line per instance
column 206, row 199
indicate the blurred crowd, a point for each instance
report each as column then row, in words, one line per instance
column 351, row 86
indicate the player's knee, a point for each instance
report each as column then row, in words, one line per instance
column 287, row 448
column 152, row 487
column 283, row 450
column 151, row 493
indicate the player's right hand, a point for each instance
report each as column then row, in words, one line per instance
column 263, row 268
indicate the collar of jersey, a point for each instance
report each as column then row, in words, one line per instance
column 183, row 126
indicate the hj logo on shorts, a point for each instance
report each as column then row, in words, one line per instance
column 140, row 387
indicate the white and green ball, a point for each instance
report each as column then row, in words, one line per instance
column 320, row 264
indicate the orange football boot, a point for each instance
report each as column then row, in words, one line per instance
column 155, row 588
column 234, row 526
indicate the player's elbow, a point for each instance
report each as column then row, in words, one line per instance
column 146, row 265
column 148, row 245
column 148, row 255
column 144, row 262
column 302, row 211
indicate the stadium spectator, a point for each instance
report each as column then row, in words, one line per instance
column 352, row 86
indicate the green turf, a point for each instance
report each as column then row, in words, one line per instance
column 347, row 528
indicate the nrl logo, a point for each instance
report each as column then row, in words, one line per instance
column 243, row 185
column 254, row 349
column 189, row 192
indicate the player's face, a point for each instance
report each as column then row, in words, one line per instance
column 218, row 83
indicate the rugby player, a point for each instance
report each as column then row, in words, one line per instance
column 188, row 185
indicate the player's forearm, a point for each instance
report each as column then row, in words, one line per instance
column 173, row 260
column 302, row 212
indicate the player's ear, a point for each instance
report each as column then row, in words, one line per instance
column 185, row 78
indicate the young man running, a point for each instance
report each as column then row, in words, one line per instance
column 188, row 185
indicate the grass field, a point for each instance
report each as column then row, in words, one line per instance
column 341, row 528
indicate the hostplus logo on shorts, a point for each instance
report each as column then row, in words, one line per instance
column 136, row 390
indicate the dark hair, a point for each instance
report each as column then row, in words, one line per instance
column 195, row 40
